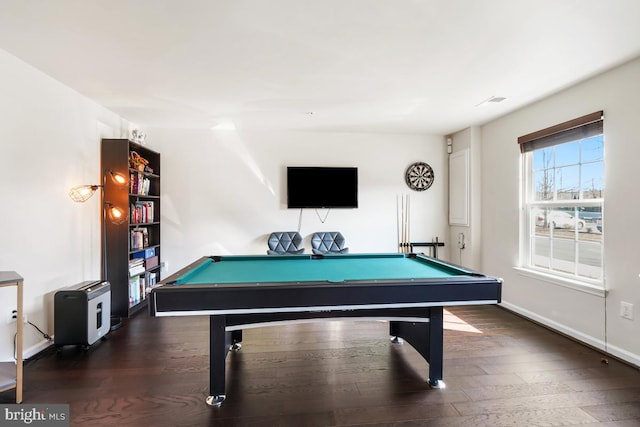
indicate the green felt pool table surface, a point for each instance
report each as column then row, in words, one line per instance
column 307, row 268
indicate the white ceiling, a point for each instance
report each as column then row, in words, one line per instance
column 339, row 65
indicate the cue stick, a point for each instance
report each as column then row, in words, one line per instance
column 398, row 223
column 408, row 223
column 404, row 223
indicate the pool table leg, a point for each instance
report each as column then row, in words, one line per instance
column 217, row 354
column 427, row 339
column 436, row 347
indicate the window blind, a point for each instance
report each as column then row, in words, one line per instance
column 572, row 130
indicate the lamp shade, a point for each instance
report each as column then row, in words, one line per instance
column 82, row 193
column 118, row 178
column 115, row 214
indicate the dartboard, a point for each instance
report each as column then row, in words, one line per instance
column 419, row 176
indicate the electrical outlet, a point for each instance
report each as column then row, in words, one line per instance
column 626, row 310
column 13, row 315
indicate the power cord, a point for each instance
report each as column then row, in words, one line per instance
column 44, row 335
column 15, row 339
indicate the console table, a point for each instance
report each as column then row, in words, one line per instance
column 10, row 372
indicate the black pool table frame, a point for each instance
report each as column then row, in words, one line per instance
column 413, row 308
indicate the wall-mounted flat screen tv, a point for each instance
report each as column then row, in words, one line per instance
column 322, row 187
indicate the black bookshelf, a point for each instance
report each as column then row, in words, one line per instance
column 132, row 249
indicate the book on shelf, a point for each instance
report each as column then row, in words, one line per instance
column 139, row 238
column 152, row 280
column 151, row 262
column 140, row 286
column 144, row 253
column 136, row 266
column 142, row 212
column 135, row 296
column 136, row 271
column 139, row 184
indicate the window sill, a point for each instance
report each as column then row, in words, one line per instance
column 590, row 288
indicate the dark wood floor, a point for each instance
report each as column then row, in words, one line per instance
column 500, row 370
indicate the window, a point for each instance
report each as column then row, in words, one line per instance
column 563, row 170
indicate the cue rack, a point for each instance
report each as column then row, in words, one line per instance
column 403, row 229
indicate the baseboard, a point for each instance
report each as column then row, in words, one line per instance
column 598, row 344
column 36, row 348
column 622, row 354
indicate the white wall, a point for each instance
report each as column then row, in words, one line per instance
column 471, row 254
column 223, row 192
column 577, row 313
column 49, row 142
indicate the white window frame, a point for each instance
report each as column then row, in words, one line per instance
column 527, row 266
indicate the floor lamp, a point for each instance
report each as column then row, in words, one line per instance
column 110, row 212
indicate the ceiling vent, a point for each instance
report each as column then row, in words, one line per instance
column 492, row 99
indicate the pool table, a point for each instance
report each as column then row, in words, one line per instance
column 408, row 290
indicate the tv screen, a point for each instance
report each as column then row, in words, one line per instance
column 322, row 187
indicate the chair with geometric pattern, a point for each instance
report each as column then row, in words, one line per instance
column 328, row 242
column 285, row 242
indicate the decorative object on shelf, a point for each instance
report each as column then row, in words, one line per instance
column 419, row 176
column 138, row 136
column 137, row 162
